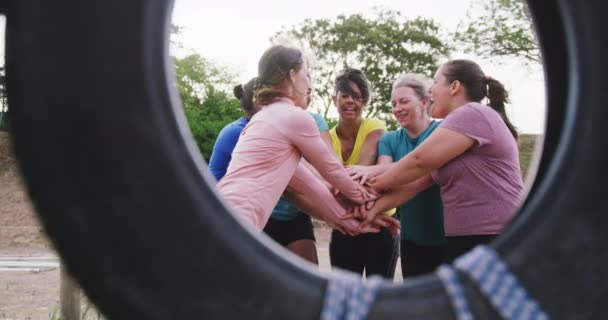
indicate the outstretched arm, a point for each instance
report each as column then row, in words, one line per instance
column 305, row 136
column 369, row 150
column 364, row 173
column 439, row 148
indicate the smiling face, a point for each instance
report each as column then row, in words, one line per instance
column 408, row 108
column 441, row 94
column 350, row 105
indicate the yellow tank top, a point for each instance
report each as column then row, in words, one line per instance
column 367, row 126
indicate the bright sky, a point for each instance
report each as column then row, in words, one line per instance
column 235, row 33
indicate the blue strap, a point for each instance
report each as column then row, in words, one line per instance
column 450, row 281
column 348, row 297
column 496, row 282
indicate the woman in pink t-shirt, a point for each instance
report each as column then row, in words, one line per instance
column 268, row 156
column 472, row 156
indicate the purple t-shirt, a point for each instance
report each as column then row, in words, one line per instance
column 481, row 188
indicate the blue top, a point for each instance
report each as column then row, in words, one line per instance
column 222, row 154
column 321, row 123
column 422, row 216
column 223, row 147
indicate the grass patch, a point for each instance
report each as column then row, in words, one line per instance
column 526, row 145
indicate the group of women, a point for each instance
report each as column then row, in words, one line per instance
column 455, row 182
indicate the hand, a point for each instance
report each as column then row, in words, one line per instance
column 384, row 221
column 368, row 212
column 352, row 227
column 359, row 211
column 368, row 192
column 360, row 173
column 374, row 185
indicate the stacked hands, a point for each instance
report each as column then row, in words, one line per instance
column 363, row 217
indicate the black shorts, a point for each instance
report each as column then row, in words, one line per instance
column 372, row 253
column 286, row 232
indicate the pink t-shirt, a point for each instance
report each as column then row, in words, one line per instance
column 481, row 189
column 266, row 157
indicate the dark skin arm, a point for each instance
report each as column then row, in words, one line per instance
column 369, row 150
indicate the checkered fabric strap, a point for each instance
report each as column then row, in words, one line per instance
column 497, row 283
column 348, row 297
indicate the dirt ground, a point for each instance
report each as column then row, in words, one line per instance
column 35, row 295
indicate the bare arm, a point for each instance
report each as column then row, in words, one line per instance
column 369, row 150
column 327, row 140
column 439, row 148
column 328, row 165
column 384, row 162
column 367, row 172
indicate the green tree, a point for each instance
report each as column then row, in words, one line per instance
column 382, row 46
column 208, row 119
column 197, row 77
column 203, row 88
column 495, row 29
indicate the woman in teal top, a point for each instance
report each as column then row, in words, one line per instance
column 422, row 234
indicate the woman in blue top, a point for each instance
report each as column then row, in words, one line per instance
column 228, row 137
column 422, row 234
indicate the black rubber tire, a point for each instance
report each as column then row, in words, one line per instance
column 121, row 191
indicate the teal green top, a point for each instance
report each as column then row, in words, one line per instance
column 422, row 216
column 285, row 210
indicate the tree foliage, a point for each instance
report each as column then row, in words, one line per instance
column 382, row 46
column 208, row 119
column 203, row 89
column 496, row 29
column 198, row 77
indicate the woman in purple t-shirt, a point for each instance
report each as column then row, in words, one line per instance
column 472, row 156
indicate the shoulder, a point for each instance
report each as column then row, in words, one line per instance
column 434, row 124
column 474, row 120
column 470, row 113
column 316, row 116
column 472, row 110
column 371, row 124
column 390, row 136
column 233, row 129
column 282, row 110
column 320, row 121
column 372, row 128
column 290, row 119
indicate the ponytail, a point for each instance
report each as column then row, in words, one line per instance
column 479, row 86
column 498, row 97
column 266, row 94
column 245, row 95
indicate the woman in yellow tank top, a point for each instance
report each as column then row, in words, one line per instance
column 355, row 142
